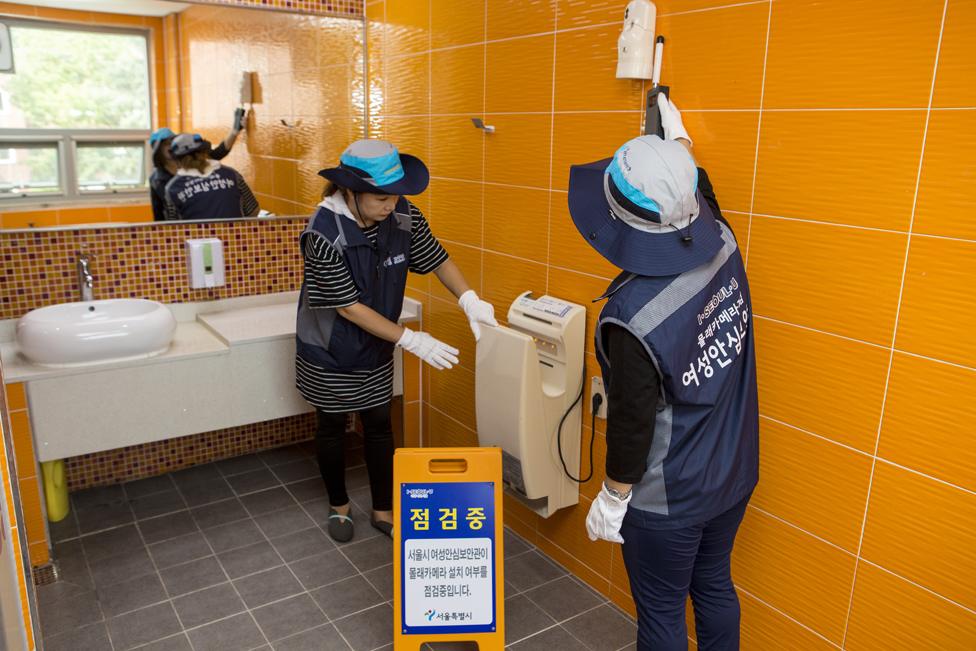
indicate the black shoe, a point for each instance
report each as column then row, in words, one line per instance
column 386, row 528
column 340, row 526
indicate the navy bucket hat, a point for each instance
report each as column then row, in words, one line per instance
column 375, row 166
column 641, row 211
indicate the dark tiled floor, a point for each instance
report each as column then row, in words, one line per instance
column 233, row 556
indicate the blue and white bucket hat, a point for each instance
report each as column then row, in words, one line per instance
column 377, row 167
column 640, row 209
column 188, row 143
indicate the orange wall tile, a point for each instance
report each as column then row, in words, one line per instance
column 457, row 81
column 947, row 191
column 957, row 65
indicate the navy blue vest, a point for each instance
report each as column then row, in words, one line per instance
column 215, row 196
column 697, row 329
column 379, row 271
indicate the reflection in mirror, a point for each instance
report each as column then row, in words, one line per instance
column 91, row 107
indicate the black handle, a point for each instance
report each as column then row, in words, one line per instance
column 652, row 115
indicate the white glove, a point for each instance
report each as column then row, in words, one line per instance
column 434, row 352
column 606, row 516
column 674, row 128
column 477, row 311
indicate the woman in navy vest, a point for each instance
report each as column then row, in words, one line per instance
column 203, row 188
column 358, row 247
column 675, row 345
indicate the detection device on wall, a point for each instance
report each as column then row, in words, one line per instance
column 635, row 47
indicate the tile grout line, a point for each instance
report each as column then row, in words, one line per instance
column 894, row 334
column 755, row 160
column 787, row 616
column 484, row 150
column 552, row 140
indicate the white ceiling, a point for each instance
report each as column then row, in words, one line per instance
column 132, row 7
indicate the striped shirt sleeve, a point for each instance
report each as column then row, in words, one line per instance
column 249, row 205
column 426, row 253
column 327, row 280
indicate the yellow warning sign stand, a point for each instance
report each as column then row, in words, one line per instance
column 448, row 576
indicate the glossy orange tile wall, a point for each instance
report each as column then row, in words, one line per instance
column 308, row 102
column 139, row 212
column 838, row 134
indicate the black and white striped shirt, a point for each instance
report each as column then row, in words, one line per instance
column 329, row 284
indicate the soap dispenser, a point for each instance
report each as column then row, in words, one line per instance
column 205, row 262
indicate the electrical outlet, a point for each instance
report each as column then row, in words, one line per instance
column 596, row 388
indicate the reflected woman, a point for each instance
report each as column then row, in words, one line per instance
column 202, row 188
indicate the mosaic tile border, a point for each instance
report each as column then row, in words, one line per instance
column 342, row 8
column 38, row 268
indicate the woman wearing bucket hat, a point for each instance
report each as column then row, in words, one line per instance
column 358, row 247
column 675, row 345
column 164, row 167
column 203, row 188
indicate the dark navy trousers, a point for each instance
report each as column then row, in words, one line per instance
column 665, row 565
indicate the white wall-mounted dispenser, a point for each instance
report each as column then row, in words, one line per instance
column 635, row 47
column 205, row 262
column 527, row 382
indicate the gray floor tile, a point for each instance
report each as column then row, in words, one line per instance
column 362, row 498
column 64, row 529
column 284, row 521
column 285, row 618
column 206, row 492
column 97, row 496
column 603, row 629
column 530, row 570
column 308, row 489
column 370, row 554
column 515, row 544
column 296, row 470
column 66, row 608
column 238, row 465
column 265, row 501
column 554, row 638
column 218, row 513
column 179, row 550
column 382, row 579
column 72, row 564
column 143, row 626
column 165, row 527
column 103, row 516
column 564, row 598
column 208, row 605
column 191, row 576
column 302, row 544
column 271, row 585
column 93, row 637
column 108, row 544
column 322, row 569
column 248, row 560
column 172, row 643
column 148, row 486
column 236, row 633
column 284, row 454
column 255, row 480
column 155, row 504
column 346, row 597
column 323, row 638
column 357, row 477
column 233, row 535
column 523, row 618
column 369, row 629
column 121, row 567
column 135, row 593
column 188, row 477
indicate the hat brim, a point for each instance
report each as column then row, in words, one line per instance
column 631, row 249
column 414, row 181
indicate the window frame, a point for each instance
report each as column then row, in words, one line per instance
column 67, row 140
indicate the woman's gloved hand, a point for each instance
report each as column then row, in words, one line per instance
column 674, row 128
column 477, row 311
column 606, row 516
column 434, row 352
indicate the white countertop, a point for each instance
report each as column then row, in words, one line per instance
column 205, row 328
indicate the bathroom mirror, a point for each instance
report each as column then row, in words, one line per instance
column 74, row 151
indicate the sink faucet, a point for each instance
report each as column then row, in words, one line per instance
column 85, row 280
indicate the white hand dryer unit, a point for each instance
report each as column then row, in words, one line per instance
column 528, row 380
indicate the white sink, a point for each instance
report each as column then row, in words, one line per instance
column 93, row 332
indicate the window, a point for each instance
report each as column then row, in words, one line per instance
column 75, row 115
